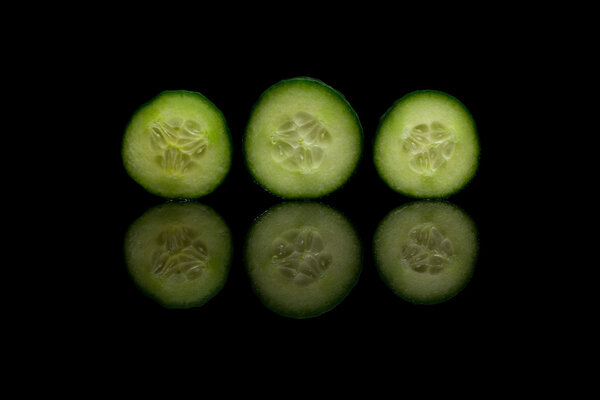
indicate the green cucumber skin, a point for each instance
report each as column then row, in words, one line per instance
column 221, row 117
column 316, row 82
column 476, row 137
column 326, row 308
column 476, row 249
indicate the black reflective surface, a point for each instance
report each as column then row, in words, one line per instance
column 235, row 315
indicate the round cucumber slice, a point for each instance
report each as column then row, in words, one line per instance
column 179, row 254
column 302, row 259
column 426, row 145
column 178, row 145
column 303, row 139
column 426, row 251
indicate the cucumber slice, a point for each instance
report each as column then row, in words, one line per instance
column 179, row 254
column 178, row 145
column 302, row 259
column 303, row 139
column 426, row 251
column 427, row 145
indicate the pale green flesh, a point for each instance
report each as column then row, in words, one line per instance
column 302, row 259
column 179, row 254
column 303, row 140
column 178, row 145
column 426, row 251
column 427, row 145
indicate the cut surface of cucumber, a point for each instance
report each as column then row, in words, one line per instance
column 426, row 145
column 426, row 251
column 302, row 259
column 179, row 254
column 177, row 145
column 303, row 139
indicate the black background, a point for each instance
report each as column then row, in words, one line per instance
column 232, row 71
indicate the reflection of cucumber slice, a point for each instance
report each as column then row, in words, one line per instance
column 426, row 251
column 302, row 258
column 426, row 145
column 179, row 253
column 178, row 145
column 303, row 139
